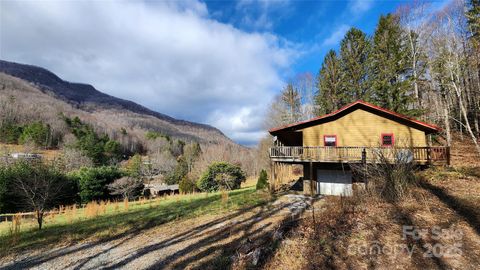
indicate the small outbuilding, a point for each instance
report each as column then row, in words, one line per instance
column 155, row 190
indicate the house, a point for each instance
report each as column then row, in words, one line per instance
column 326, row 146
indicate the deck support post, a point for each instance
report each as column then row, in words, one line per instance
column 271, row 186
column 312, row 190
column 429, row 156
column 275, row 175
column 364, row 163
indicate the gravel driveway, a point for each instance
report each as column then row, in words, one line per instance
column 207, row 242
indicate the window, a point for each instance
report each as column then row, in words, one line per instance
column 387, row 139
column 330, row 140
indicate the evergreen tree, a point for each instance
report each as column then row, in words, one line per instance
column 191, row 153
column 134, row 166
column 180, row 172
column 329, row 84
column 262, row 182
column 390, row 68
column 292, row 102
column 100, row 149
column 36, row 133
column 354, row 51
column 473, row 20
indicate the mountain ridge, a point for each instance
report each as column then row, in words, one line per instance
column 87, row 98
column 81, row 93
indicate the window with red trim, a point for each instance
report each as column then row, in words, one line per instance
column 387, row 139
column 330, row 140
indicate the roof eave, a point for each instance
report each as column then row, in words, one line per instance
column 428, row 128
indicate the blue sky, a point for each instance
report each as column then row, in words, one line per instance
column 217, row 62
column 315, row 26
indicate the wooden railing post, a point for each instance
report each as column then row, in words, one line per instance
column 448, row 155
column 364, row 162
column 429, row 155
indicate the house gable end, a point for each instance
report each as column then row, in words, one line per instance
column 362, row 127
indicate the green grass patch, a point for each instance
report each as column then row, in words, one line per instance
column 118, row 221
column 446, row 174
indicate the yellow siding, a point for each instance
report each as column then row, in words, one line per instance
column 362, row 128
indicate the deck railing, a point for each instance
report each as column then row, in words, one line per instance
column 358, row 154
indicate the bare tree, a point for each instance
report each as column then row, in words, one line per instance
column 262, row 155
column 127, row 187
column 449, row 51
column 39, row 186
column 418, row 32
column 73, row 159
column 159, row 163
column 305, row 83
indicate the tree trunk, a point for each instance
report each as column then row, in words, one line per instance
column 414, row 69
column 40, row 219
column 447, row 125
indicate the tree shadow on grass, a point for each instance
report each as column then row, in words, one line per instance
column 134, row 220
column 210, row 243
column 220, row 256
column 469, row 212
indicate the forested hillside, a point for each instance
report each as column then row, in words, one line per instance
column 417, row 62
column 86, row 97
column 97, row 149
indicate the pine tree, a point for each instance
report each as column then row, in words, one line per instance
column 354, row 51
column 262, row 182
column 473, row 23
column 389, row 70
column 329, row 85
column 292, row 102
column 473, row 20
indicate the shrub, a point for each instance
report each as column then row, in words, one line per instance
column 221, row 175
column 262, row 182
column 186, row 185
column 92, row 182
column 391, row 176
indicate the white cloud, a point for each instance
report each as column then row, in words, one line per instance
column 360, row 6
column 260, row 14
column 336, row 36
column 168, row 56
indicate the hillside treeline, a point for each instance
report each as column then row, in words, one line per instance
column 97, row 153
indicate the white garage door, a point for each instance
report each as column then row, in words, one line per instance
column 334, row 182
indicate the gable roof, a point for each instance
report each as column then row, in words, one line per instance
column 428, row 128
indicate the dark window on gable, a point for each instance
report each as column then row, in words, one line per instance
column 387, row 139
column 330, row 140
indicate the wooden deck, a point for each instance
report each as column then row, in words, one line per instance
column 298, row 154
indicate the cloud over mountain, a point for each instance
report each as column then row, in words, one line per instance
column 169, row 56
